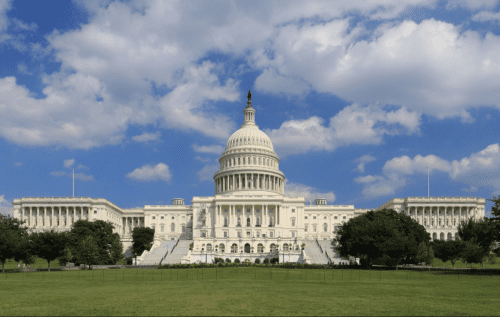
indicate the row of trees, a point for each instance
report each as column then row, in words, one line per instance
column 87, row 243
column 389, row 238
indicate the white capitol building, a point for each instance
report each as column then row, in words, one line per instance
column 249, row 216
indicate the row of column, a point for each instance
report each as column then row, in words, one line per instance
column 418, row 212
column 249, row 181
column 130, row 223
column 266, row 214
column 32, row 216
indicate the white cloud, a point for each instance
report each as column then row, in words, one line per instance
column 6, row 207
column 362, row 161
column 214, row 149
column 69, row 163
column 151, row 173
column 481, row 169
column 432, row 67
column 5, row 6
column 80, row 176
column 471, row 4
column 486, row 16
column 80, row 166
column 18, row 164
column 146, row 137
column 354, row 124
column 207, row 172
column 203, row 159
column 310, row 193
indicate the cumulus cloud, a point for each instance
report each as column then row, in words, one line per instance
column 354, row 124
column 214, row 149
column 481, row 169
column 69, row 163
column 362, row 161
column 309, row 192
column 411, row 65
column 151, row 173
column 5, row 207
column 146, row 137
column 486, row 16
column 207, row 172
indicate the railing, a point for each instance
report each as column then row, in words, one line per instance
column 257, row 225
column 320, row 248
column 271, row 225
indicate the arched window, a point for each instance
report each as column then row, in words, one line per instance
column 271, row 221
column 239, row 221
column 234, row 248
column 293, row 221
column 248, row 222
column 449, row 236
column 225, row 222
column 285, row 247
column 273, row 247
column 441, row 236
column 209, row 247
column 221, row 247
column 258, row 221
column 434, row 236
column 260, row 248
column 325, row 227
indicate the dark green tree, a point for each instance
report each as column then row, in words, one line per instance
column 87, row 252
column 425, row 253
column 142, row 239
column 472, row 253
column 449, row 250
column 27, row 251
column 104, row 238
column 481, row 233
column 11, row 232
column 50, row 245
column 381, row 236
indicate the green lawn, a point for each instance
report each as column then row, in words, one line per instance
column 247, row 291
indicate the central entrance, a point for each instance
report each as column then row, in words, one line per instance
column 247, row 248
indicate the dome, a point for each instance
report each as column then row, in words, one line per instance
column 249, row 136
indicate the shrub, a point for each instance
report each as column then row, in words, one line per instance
column 491, row 259
column 228, row 260
column 236, row 260
column 266, row 261
column 257, row 261
column 274, row 260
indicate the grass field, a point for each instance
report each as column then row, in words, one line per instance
column 247, row 291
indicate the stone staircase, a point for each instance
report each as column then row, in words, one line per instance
column 180, row 251
column 158, row 253
column 330, row 251
column 313, row 251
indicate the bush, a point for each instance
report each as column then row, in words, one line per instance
column 257, row 261
column 228, row 260
column 218, row 260
column 274, row 260
column 491, row 259
column 236, row 260
column 128, row 261
column 266, row 261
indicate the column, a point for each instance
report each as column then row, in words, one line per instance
column 215, row 186
column 52, row 217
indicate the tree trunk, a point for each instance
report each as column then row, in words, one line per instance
column 48, row 261
column 3, row 269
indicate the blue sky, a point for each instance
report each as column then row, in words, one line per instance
column 358, row 97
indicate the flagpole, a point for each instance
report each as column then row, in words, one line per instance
column 427, row 181
column 73, row 182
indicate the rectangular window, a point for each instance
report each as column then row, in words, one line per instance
column 343, row 217
column 154, row 217
column 153, row 227
column 258, row 234
column 305, row 217
column 161, row 217
column 225, row 234
column 314, row 217
column 248, row 234
column 161, row 228
column 335, row 217
column 305, row 228
column 293, row 234
column 293, row 210
column 239, row 234
column 271, row 234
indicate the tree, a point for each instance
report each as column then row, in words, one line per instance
column 27, row 251
column 88, row 251
column 50, row 245
column 472, row 253
column 65, row 257
column 102, row 232
column 10, row 238
column 425, row 253
column 449, row 250
column 481, row 233
column 385, row 237
column 142, row 239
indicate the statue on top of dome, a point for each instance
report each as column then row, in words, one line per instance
column 249, row 96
